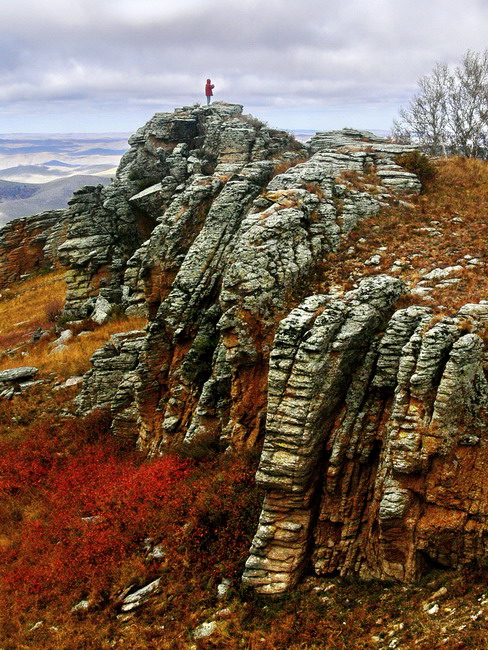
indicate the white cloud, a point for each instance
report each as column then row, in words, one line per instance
column 280, row 52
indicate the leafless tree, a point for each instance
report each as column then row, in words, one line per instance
column 449, row 113
column 468, row 105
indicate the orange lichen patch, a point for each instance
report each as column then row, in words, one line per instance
column 248, row 404
column 230, row 339
column 438, row 519
column 157, row 285
column 158, row 143
column 284, row 198
column 99, row 279
column 458, row 481
column 22, row 250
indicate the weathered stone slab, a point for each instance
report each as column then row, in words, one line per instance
column 17, row 374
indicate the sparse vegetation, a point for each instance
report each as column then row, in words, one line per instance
column 281, row 166
column 34, row 305
column 446, row 223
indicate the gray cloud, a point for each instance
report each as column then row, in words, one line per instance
column 112, row 55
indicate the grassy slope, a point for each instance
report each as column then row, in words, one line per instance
column 447, row 222
column 54, row 471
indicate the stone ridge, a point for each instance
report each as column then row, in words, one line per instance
column 212, row 229
column 242, row 214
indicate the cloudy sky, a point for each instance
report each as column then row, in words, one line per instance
column 108, row 65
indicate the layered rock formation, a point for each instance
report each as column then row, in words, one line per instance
column 176, row 166
column 374, row 455
column 371, row 417
column 228, row 250
column 30, row 244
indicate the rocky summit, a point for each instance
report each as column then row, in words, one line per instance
column 369, row 414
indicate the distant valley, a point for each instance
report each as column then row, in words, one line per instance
column 41, row 171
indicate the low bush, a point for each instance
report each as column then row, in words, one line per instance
column 419, row 164
column 77, row 509
column 53, row 310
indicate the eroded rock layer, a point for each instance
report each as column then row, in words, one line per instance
column 375, row 455
column 30, row 244
column 372, row 416
column 241, row 216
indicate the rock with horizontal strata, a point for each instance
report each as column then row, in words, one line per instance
column 17, row 374
column 379, row 477
column 31, row 244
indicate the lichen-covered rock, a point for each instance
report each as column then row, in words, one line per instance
column 175, row 166
column 231, row 242
column 378, row 468
column 111, row 382
column 17, row 374
column 213, row 229
column 380, row 156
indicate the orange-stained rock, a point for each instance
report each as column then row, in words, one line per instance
column 30, row 244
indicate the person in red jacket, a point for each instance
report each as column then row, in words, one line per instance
column 208, row 90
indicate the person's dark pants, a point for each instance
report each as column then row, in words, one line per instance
column 208, row 99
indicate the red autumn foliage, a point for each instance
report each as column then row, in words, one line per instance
column 97, row 509
column 95, row 504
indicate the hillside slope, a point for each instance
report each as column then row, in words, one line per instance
column 317, row 315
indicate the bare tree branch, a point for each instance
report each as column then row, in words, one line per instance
column 449, row 113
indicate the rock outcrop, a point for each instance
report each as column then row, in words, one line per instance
column 229, row 248
column 175, row 167
column 30, row 244
column 374, row 454
column 372, row 417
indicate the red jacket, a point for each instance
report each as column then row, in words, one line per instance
column 208, row 88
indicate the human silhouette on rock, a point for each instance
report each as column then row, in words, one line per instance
column 208, row 90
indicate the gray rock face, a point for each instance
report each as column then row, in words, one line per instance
column 231, row 240
column 111, row 382
column 213, row 229
column 380, row 156
column 190, row 148
column 17, row 374
column 16, row 380
column 365, row 425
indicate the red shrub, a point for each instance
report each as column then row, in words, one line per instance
column 90, row 505
column 98, row 508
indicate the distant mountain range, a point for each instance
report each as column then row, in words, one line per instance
column 22, row 199
column 41, row 171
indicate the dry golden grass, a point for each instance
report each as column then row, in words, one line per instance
column 74, row 359
column 34, row 303
column 455, row 205
column 27, row 305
